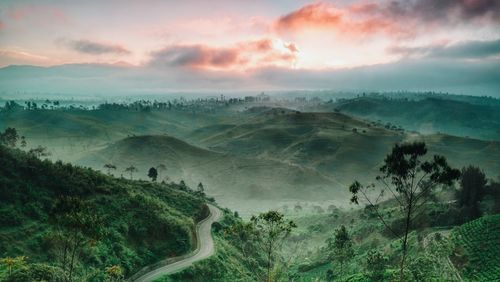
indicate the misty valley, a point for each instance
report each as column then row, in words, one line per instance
column 375, row 187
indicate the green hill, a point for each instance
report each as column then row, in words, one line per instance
column 478, row 248
column 337, row 145
column 430, row 115
column 224, row 175
column 142, row 222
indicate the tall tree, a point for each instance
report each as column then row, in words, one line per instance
column 131, row 169
column 153, row 174
column 341, row 247
column 272, row 230
column 472, row 190
column 410, row 181
column 109, row 167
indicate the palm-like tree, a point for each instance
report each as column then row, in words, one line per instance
column 131, row 169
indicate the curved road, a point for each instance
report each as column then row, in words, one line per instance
column 205, row 248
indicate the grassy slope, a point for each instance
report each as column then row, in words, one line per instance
column 478, row 248
column 220, row 173
column 144, row 222
column 430, row 115
column 326, row 142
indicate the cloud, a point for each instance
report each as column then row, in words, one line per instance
column 94, row 48
column 243, row 55
column 347, row 21
column 463, row 50
column 395, row 18
column 442, row 10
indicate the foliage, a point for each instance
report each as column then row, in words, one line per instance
column 158, row 222
column 472, row 190
column 153, row 174
column 341, row 247
column 478, row 248
column 411, row 181
column 375, row 265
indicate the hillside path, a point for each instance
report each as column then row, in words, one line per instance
column 205, row 248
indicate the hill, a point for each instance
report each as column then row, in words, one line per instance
column 224, row 176
column 429, row 115
column 337, row 145
column 134, row 223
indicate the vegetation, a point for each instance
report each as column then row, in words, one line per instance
column 477, row 249
column 411, row 182
column 69, row 222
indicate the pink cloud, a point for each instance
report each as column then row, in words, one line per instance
column 346, row 21
column 239, row 56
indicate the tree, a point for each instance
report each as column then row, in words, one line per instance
column 375, row 265
column 131, row 169
column 472, row 191
column 23, row 142
column 153, row 174
column 200, row 188
column 272, row 230
column 341, row 247
column 9, row 137
column 39, row 152
column 109, row 167
column 411, row 181
column 76, row 224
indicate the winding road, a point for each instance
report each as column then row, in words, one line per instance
column 205, row 248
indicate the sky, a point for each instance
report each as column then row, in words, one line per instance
column 279, row 44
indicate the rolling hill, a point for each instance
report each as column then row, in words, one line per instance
column 222, row 174
column 338, row 145
column 430, row 115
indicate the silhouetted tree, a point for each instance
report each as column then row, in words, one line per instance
column 341, row 247
column 272, row 230
column 200, row 188
column 109, row 167
column 411, row 181
column 9, row 137
column 131, row 169
column 39, row 152
column 23, row 142
column 472, row 189
column 153, row 173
